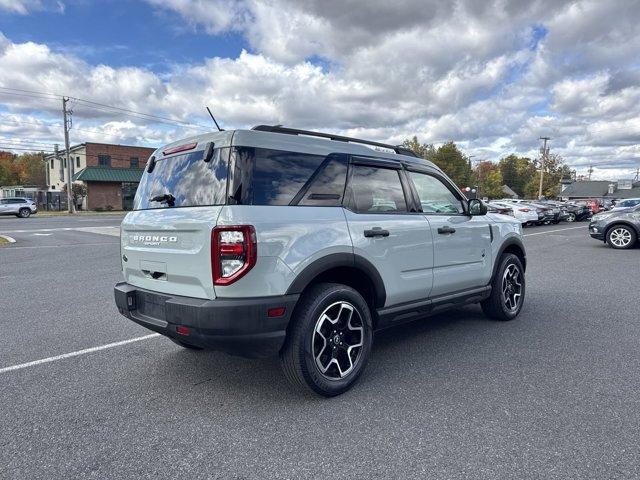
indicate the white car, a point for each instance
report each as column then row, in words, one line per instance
column 523, row 213
column 20, row 207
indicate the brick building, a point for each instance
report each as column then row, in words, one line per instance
column 111, row 173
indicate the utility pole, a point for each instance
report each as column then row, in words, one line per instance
column 66, row 115
column 544, row 151
column 590, row 171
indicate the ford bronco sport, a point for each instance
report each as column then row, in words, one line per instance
column 276, row 241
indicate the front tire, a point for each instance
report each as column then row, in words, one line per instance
column 24, row 213
column 329, row 340
column 507, row 290
column 571, row 218
column 621, row 237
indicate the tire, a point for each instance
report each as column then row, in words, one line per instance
column 621, row 237
column 24, row 213
column 571, row 217
column 185, row 345
column 497, row 306
column 328, row 341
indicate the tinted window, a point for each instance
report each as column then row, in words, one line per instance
column 270, row 177
column 435, row 196
column 326, row 186
column 78, row 162
column 17, row 200
column 187, row 178
column 376, row 190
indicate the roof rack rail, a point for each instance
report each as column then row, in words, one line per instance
column 400, row 150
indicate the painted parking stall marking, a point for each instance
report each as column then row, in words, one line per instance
column 76, row 353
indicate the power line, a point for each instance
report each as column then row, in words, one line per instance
column 101, row 107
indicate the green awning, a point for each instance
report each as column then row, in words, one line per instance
column 106, row 174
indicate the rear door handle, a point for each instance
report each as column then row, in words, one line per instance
column 446, row 229
column 376, row 232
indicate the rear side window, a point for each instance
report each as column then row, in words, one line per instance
column 376, row 190
column 184, row 181
column 263, row 176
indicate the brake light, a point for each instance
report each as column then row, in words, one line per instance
column 180, row 148
column 523, row 210
column 233, row 253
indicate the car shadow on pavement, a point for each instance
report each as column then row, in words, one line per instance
column 416, row 344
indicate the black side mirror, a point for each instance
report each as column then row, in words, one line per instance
column 476, row 207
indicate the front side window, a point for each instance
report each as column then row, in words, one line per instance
column 184, row 181
column 435, row 196
column 376, row 190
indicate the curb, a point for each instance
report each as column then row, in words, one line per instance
column 8, row 238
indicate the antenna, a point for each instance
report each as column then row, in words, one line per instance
column 214, row 120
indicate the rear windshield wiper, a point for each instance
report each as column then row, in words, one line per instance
column 167, row 197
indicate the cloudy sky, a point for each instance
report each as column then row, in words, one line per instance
column 493, row 76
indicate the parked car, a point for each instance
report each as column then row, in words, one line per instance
column 524, row 214
column 620, row 228
column 20, row 207
column 577, row 213
column 545, row 214
column 559, row 211
column 276, row 241
column 502, row 210
column 628, row 203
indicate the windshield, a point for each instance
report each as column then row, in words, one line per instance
column 184, row 181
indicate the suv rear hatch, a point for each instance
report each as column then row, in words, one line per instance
column 166, row 240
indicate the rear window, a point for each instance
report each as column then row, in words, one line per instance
column 184, row 181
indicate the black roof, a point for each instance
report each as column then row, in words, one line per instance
column 594, row 188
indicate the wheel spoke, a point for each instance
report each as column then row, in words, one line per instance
column 337, row 340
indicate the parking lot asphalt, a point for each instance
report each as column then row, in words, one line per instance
column 553, row 394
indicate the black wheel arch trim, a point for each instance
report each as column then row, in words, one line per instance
column 337, row 260
column 507, row 243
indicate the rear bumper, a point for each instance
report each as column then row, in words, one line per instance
column 236, row 326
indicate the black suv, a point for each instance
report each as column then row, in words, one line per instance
column 620, row 229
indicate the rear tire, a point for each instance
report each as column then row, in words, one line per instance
column 621, row 237
column 571, row 217
column 507, row 290
column 328, row 341
column 24, row 213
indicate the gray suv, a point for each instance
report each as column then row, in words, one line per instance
column 619, row 228
column 20, row 207
column 276, row 241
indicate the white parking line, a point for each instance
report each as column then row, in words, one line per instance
column 77, row 353
column 554, row 231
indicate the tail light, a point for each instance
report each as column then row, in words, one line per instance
column 523, row 210
column 233, row 253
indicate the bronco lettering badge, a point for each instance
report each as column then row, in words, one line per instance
column 153, row 240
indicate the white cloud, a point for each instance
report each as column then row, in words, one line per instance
column 478, row 73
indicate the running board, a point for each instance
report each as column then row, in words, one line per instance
column 407, row 312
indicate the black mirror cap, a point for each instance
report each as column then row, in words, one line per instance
column 477, row 207
column 208, row 152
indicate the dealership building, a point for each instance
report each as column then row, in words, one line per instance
column 111, row 173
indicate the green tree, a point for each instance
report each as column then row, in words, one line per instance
column 488, row 177
column 448, row 157
column 517, row 172
column 554, row 171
